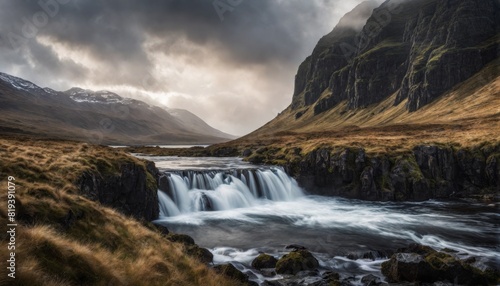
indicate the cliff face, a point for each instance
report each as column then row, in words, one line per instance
column 426, row 173
column 418, row 49
column 329, row 56
column 131, row 189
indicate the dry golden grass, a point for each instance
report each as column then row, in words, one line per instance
column 100, row 246
column 466, row 116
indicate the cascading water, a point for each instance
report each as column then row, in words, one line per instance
column 260, row 209
column 193, row 191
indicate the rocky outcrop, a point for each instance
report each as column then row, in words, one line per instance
column 191, row 248
column 424, row 264
column 296, row 261
column 131, row 188
column 424, row 173
column 329, row 56
column 417, row 49
column 264, row 261
column 232, row 272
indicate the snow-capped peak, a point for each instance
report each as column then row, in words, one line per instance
column 18, row 83
column 89, row 96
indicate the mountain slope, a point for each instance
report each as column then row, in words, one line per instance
column 413, row 62
column 195, row 124
column 97, row 117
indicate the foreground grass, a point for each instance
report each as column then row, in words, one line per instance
column 66, row 239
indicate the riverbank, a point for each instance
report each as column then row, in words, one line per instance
column 75, row 226
column 240, row 211
column 414, row 172
column 81, row 210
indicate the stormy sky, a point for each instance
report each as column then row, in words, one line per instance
column 231, row 62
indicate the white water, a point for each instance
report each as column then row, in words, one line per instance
column 196, row 191
column 239, row 213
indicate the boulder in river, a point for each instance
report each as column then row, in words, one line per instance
column 264, row 261
column 230, row 271
column 371, row 280
column 419, row 263
column 296, row 261
column 295, row 247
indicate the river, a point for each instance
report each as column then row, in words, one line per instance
column 237, row 210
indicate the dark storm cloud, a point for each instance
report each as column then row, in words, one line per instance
column 119, row 42
column 255, row 31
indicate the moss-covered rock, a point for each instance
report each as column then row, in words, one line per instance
column 296, row 261
column 264, row 261
column 181, row 238
column 419, row 263
column 202, row 254
column 230, row 271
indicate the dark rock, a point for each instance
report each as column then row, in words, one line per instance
column 295, row 247
column 264, row 261
column 428, row 172
column 267, row 272
column 181, row 238
column 417, row 248
column 202, row 254
column 164, row 185
column 296, row 261
column 374, row 255
column 371, row 280
column 330, row 276
column 352, row 256
column 132, row 191
column 230, row 271
column 314, row 73
column 406, row 267
column 420, row 50
column 432, row 266
column 300, row 113
column 470, row 260
column 272, row 283
column 206, row 203
column 368, row 187
column 151, row 168
column 163, row 229
column 247, row 152
column 225, row 152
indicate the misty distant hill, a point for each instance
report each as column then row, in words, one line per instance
column 99, row 117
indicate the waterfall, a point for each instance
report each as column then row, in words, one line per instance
column 194, row 191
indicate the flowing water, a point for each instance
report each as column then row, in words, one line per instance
column 238, row 210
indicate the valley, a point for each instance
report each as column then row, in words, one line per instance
column 384, row 168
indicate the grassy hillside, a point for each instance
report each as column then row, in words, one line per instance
column 66, row 239
column 467, row 115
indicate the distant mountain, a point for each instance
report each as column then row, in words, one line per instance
column 96, row 116
column 195, row 124
column 390, row 61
